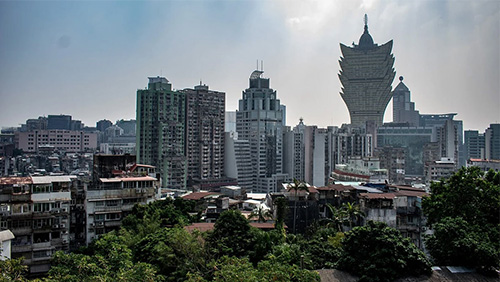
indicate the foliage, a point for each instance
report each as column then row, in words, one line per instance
column 467, row 194
column 337, row 217
column 261, row 214
column 12, row 270
column 240, row 269
column 320, row 246
column 231, row 235
column 290, row 254
column 296, row 186
column 352, row 213
column 174, row 251
column 376, row 252
column 112, row 261
column 281, row 207
column 165, row 213
column 456, row 242
column 262, row 242
column 465, row 213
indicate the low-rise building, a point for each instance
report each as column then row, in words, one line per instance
column 63, row 140
column 109, row 200
column 436, row 170
column 36, row 210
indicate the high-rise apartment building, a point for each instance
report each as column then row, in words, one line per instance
column 474, row 144
column 366, row 74
column 205, row 112
column 161, row 131
column 403, row 109
column 238, row 162
column 492, row 142
column 260, row 121
column 349, row 141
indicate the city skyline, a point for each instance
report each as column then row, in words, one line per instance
column 87, row 59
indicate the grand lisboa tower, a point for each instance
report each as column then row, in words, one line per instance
column 366, row 74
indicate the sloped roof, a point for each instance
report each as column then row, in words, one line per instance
column 388, row 196
column 198, row 195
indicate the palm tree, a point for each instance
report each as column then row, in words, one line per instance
column 261, row 214
column 353, row 212
column 296, row 186
column 338, row 217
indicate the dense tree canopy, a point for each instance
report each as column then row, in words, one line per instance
column 468, row 194
column 464, row 212
column 376, row 252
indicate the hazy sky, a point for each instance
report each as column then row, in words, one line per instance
column 87, row 59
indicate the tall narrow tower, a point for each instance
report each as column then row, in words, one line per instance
column 366, row 74
column 205, row 110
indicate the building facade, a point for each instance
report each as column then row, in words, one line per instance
column 238, row 161
column 492, row 142
column 474, row 144
column 205, row 114
column 260, row 121
column 161, row 131
column 366, row 75
column 64, row 140
column 37, row 211
column 403, row 109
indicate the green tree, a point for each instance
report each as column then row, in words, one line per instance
column 281, row 207
column 468, row 194
column 456, row 242
column 296, row 186
column 336, row 218
column 231, row 235
column 229, row 269
column 376, row 252
column 12, row 270
column 111, row 261
column 352, row 213
column 174, row 252
column 261, row 214
column 464, row 210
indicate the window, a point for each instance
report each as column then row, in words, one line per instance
column 98, row 217
column 112, row 203
column 41, row 207
column 41, row 189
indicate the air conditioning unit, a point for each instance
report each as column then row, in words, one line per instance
column 55, row 226
column 63, row 225
column 92, row 224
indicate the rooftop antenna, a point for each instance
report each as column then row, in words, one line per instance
column 262, row 65
column 366, row 19
column 257, row 64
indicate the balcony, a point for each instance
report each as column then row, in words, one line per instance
column 107, row 209
column 21, row 248
column 113, row 223
column 44, row 245
column 21, row 198
column 407, row 210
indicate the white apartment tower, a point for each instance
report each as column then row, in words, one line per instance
column 259, row 120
